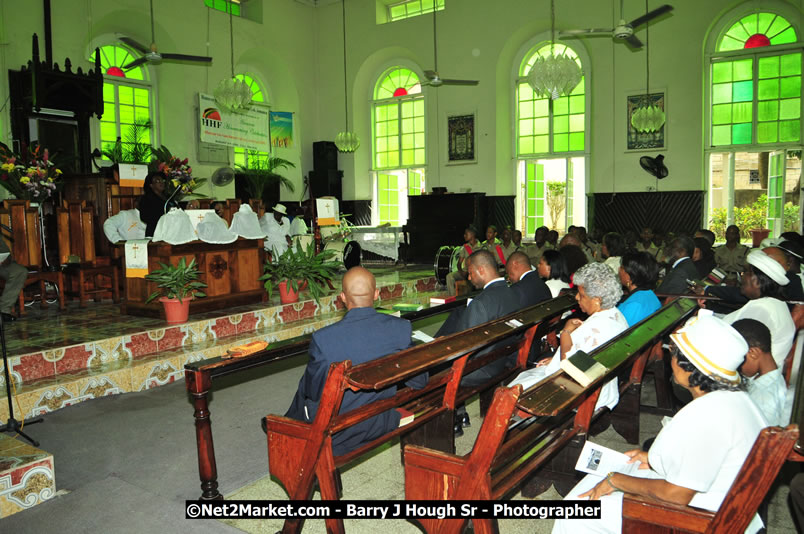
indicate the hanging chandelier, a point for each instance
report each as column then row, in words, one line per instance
column 647, row 118
column 346, row 141
column 557, row 74
column 232, row 93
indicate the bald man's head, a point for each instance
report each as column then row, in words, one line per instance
column 359, row 288
column 517, row 264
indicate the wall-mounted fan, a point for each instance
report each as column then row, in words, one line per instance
column 222, row 177
column 654, row 166
column 433, row 78
column 623, row 31
column 152, row 55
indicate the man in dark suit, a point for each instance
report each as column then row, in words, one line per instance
column 361, row 336
column 495, row 301
column 683, row 269
column 530, row 289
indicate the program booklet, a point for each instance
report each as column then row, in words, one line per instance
column 599, row 460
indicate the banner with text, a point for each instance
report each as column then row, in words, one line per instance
column 245, row 129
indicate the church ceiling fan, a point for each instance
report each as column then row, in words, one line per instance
column 152, row 55
column 623, row 31
column 433, row 78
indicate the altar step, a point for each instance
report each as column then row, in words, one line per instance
column 27, row 477
column 52, row 379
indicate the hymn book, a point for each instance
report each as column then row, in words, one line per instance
column 583, row 368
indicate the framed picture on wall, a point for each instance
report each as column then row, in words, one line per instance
column 645, row 140
column 461, row 146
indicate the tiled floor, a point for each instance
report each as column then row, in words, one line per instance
column 48, row 329
column 26, row 476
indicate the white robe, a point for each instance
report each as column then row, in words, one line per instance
column 124, row 226
column 275, row 234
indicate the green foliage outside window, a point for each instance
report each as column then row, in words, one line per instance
column 556, row 201
column 752, row 216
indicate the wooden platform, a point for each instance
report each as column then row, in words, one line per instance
column 60, row 360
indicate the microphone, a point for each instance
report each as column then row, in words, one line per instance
column 164, row 210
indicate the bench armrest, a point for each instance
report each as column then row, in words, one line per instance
column 664, row 515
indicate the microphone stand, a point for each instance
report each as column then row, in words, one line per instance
column 12, row 425
column 173, row 194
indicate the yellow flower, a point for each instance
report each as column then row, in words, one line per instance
column 50, row 179
column 8, row 167
column 58, row 171
column 24, row 180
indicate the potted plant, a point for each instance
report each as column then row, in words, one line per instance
column 260, row 173
column 296, row 268
column 178, row 285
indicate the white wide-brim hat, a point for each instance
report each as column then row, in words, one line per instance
column 279, row 208
column 769, row 266
column 713, row 347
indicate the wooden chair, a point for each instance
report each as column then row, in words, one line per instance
column 76, row 234
column 26, row 248
column 299, row 451
column 771, row 449
column 504, row 455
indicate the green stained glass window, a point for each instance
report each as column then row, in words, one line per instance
column 757, row 30
column 542, row 122
column 225, row 5
column 126, row 95
column 398, row 129
column 535, row 198
column 257, row 94
column 244, row 156
column 387, row 193
column 403, row 9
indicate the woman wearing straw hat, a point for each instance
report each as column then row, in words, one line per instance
column 699, row 452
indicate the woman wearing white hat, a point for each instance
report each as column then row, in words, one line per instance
column 761, row 283
column 277, row 231
column 699, row 452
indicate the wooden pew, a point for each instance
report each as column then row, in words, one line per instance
column 298, row 451
column 505, row 456
column 199, row 377
column 771, row 449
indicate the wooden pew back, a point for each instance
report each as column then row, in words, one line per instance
column 755, row 478
column 299, row 451
column 504, row 456
column 26, row 232
column 76, row 231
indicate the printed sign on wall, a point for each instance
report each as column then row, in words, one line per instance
column 245, row 129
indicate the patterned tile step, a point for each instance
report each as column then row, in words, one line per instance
column 89, row 356
column 26, row 475
column 128, row 373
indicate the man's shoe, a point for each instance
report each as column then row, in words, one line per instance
column 264, row 425
column 458, row 429
column 465, row 422
column 8, row 318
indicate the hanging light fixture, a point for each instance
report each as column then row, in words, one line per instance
column 647, row 118
column 346, row 141
column 554, row 75
column 232, row 93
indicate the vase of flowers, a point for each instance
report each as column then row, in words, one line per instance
column 29, row 175
column 180, row 181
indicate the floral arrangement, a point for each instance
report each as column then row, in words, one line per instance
column 29, row 175
column 180, row 181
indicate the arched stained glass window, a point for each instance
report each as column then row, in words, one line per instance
column 546, row 126
column 397, row 82
column 126, row 94
column 398, row 120
column 756, row 99
column 256, row 90
column 757, row 30
column 243, row 156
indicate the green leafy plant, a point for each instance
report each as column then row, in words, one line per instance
column 299, row 265
column 752, row 216
column 176, row 281
column 135, row 145
column 261, row 171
